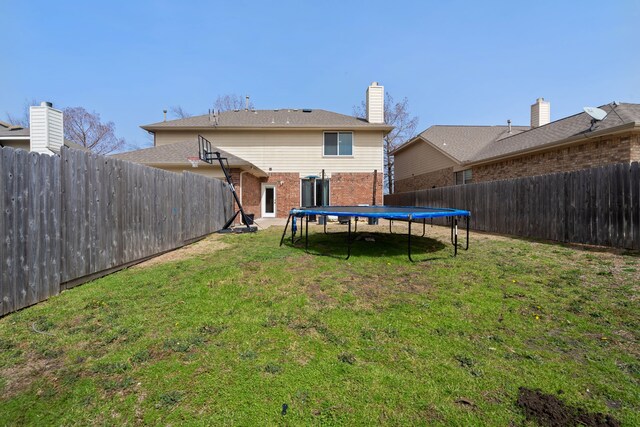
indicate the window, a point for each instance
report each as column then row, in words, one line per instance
column 338, row 143
column 463, row 177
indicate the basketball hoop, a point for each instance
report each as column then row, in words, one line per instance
column 194, row 161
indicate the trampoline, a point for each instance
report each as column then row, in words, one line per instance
column 409, row 214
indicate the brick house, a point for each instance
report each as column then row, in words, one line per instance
column 277, row 157
column 450, row 155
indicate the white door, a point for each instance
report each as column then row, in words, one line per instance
column 268, row 200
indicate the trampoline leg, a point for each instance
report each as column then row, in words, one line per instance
column 455, row 244
column 325, row 224
column 306, row 235
column 409, row 242
column 390, row 222
column 467, row 244
column 356, row 226
column 285, row 229
column 431, row 222
column 451, row 219
column 423, row 226
column 349, row 241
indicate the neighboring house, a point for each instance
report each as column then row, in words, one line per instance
column 450, row 155
column 277, row 157
column 44, row 135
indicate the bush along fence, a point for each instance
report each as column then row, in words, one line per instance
column 71, row 218
column 598, row 206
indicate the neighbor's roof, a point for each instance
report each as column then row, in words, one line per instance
column 8, row 130
column 570, row 128
column 477, row 144
column 462, row 143
column 270, row 119
column 177, row 153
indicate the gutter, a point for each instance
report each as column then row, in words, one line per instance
column 585, row 136
column 154, row 129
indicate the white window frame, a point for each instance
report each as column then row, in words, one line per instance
column 263, row 198
column 338, row 132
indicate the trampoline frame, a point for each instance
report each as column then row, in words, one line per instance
column 354, row 212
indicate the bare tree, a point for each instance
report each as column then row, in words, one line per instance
column 396, row 114
column 86, row 129
column 179, row 113
column 21, row 119
column 231, row 102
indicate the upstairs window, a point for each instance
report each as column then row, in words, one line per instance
column 338, row 143
column 463, row 177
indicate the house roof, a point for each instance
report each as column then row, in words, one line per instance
column 8, row 130
column 462, row 143
column 478, row 144
column 177, row 154
column 270, row 119
column 564, row 130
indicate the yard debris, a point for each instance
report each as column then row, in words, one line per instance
column 284, row 408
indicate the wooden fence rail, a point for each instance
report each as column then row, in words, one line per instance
column 598, row 206
column 70, row 218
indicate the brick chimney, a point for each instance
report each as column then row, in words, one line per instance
column 45, row 129
column 540, row 113
column 375, row 103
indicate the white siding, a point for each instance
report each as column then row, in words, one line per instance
column 289, row 151
column 417, row 159
column 46, row 129
column 375, row 104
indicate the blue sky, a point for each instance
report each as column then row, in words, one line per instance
column 458, row 62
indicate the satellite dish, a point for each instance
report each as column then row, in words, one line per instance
column 596, row 114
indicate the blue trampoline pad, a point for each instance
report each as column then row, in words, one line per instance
column 386, row 212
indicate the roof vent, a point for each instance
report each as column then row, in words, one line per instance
column 236, row 110
column 306, row 110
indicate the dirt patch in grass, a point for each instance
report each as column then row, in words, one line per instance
column 20, row 377
column 207, row 245
column 548, row 410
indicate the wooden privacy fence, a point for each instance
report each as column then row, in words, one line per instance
column 598, row 206
column 68, row 219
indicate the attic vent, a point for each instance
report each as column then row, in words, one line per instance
column 306, row 110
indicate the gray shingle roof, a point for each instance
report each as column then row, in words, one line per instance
column 9, row 130
column 577, row 126
column 462, row 143
column 177, row 153
column 284, row 118
column 474, row 144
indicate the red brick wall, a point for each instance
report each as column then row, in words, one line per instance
column 354, row 188
column 599, row 152
column 287, row 192
column 635, row 148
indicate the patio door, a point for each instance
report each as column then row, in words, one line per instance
column 314, row 192
column 268, row 200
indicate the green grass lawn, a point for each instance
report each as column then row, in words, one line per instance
column 229, row 336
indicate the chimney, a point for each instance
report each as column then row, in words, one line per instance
column 165, row 115
column 46, row 131
column 375, row 103
column 540, row 113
